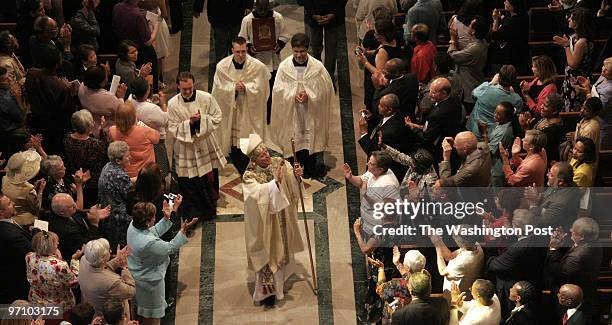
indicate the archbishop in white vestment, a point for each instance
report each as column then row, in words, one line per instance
column 308, row 123
column 241, row 89
column 272, row 235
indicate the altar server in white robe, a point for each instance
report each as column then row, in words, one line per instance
column 271, row 193
column 301, row 102
column 270, row 58
column 241, row 89
column 193, row 116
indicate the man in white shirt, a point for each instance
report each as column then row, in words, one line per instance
column 464, row 264
column 484, row 309
column 377, row 185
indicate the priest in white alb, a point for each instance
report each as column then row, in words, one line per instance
column 241, row 89
column 301, row 104
column 193, row 117
column 270, row 187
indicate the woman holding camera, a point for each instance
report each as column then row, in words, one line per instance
column 150, row 256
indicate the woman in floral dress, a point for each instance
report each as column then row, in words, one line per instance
column 51, row 278
column 579, row 54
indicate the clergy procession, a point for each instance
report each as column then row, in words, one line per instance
column 387, row 162
column 272, row 187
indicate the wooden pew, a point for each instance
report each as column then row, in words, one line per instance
column 399, row 19
column 550, row 49
column 111, row 58
column 11, row 27
column 543, row 24
column 570, row 119
column 604, row 172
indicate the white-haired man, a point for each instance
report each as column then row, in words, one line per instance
column 578, row 264
column 97, row 277
column 74, row 228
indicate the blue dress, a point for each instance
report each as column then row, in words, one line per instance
column 148, row 262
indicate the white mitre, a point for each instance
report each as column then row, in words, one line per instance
column 251, row 146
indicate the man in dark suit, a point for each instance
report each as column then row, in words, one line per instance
column 523, row 294
column 558, row 205
column 444, row 119
column 521, row 261
column 579, row 264
column 570, row 300
column 422, row 309
column 74, row 228
column 404, row 85
column 394, row 133
column 49, row 37
column 16, row 243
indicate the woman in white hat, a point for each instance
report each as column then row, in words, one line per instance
column 21, row 168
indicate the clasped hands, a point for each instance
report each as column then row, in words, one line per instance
column 195, row 118
column 516, row 149
column 561, row 40
column 301, row 97
column 239, row 86
column 582, row 85
column 557, row 238
column 457, row 297
column 323, row 19
column 408, row 122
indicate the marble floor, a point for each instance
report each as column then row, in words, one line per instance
column 212, row 282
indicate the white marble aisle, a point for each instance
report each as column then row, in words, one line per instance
column 232, row 303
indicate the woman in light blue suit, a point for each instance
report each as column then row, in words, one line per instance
column 150, row 256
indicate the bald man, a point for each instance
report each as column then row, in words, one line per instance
column 444, row 119
column 394, row 133
column 475, row 169
column 396, row 81
column 570, row 300
column 74, row 228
